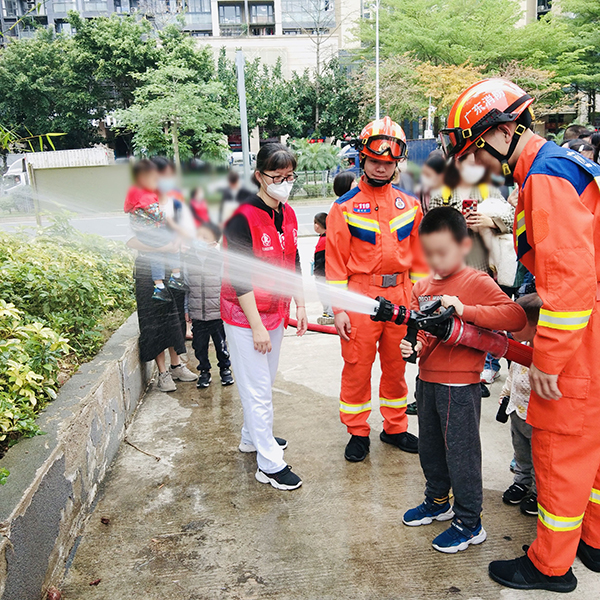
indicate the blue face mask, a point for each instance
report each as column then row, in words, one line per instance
column 167, row 184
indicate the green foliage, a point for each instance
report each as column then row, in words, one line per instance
column 174, row 113
column 68, row 281
column 4, row 473
column 316, row 157
column 57, row 292
column 30, row 355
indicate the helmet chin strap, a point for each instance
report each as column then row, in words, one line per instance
column 503, row 158
column 377, row 182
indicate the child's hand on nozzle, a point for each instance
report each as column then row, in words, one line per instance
column 448, row 301
column 406, row 348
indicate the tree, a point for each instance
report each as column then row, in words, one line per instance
column 315, row 156
column 173, row 113
column 44, row 89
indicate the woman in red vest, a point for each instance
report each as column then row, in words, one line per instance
column 266, row 228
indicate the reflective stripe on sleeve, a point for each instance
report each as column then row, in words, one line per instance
column 394, row 402
column 414, row 277
column 569, row 321
column 556, row 523
column 595, row 496
column 520, row 223
column 342, row 283
column 354, row 409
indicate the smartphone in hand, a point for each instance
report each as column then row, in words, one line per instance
column 469, row 206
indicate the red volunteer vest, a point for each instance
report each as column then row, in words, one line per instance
column 268, row 245
column 321, row 244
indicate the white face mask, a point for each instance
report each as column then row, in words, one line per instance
column 472, row 174
column 280, row 191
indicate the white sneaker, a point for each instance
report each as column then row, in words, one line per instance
column 182, row 373
column 165, row 382
column 243, row 447
column 489, row 376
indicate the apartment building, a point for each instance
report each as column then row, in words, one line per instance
column 295, row 31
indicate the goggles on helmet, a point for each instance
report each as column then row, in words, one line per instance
column 380, row 145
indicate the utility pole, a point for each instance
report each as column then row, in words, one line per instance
column 377, row 59
column 241, row 88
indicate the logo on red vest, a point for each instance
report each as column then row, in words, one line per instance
column 266, row 241
column 362, row 207
column 400, row 203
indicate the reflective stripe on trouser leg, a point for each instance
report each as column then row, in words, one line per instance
column 254, row 375
column 392, row 387
column 565, row 467
column 359, row 354
column 590, row 532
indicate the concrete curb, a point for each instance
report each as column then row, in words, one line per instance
column 55, row 477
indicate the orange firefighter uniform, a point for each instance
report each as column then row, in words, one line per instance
column 557, row 234
column 557, row 237
column 373, row 249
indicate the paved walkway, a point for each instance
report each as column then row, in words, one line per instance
column 197, row 526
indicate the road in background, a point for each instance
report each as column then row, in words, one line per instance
column 115, row 226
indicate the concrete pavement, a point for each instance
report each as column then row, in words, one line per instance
column 197, row 526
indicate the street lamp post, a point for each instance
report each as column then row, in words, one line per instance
column 377, row 59
column 241, row 88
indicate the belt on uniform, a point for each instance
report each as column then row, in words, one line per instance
column 382, row 281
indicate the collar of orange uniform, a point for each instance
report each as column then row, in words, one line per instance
column 527, row 157
column 373, row 192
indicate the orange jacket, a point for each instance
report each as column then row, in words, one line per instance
column 557, row 237
column 374, row 231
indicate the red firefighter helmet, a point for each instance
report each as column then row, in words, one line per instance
column 383, row 139
column 480, row 107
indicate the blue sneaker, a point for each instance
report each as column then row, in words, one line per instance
column 428, row 512
column 459, row 537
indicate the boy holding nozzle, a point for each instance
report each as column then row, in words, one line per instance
column 448, row 393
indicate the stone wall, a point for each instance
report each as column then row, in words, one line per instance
column 54, row 477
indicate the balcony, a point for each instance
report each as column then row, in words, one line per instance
column 198, row 20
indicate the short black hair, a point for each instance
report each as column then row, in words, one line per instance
column 321, row 219
column 213, row 228
column 436, row 161
column 233, row 176
column 144, row 165
column 274, row 156
column 342, row 182
column 445, row 218
column 162, row 163
column 575, row 131
column 531, row 304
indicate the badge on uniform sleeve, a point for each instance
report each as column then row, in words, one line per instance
column 400, row 204
column 362, row 207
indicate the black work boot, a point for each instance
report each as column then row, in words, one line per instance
column 407, row 442
column 522, row 574
column 357, row 448
column 589, row 556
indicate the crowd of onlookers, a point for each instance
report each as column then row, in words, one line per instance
column 178, row 271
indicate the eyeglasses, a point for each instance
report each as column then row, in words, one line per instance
column 277, row 179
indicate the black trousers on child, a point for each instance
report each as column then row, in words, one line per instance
column 202, row 331
column 450, row 446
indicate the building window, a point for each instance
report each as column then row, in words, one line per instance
column 198, row 6
column 10, row 8
column 261, row 13
column 262, row 30
column 95, row 6
column 63, row 7
column 230, row 14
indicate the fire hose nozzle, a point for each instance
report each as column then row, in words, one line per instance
column 389, row 312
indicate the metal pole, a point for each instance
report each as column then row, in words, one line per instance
column 241, row 88
column 377, row 60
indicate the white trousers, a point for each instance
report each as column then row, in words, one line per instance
column 254, row 375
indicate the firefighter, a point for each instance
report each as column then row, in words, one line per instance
column 557, row 237
column 373, row 249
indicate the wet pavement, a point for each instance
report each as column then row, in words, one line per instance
column 196, row 525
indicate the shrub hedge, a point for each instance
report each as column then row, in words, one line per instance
column 61, row 294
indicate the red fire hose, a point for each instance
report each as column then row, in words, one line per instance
column 465, row 334
column 315, row 327
column 497, row 344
